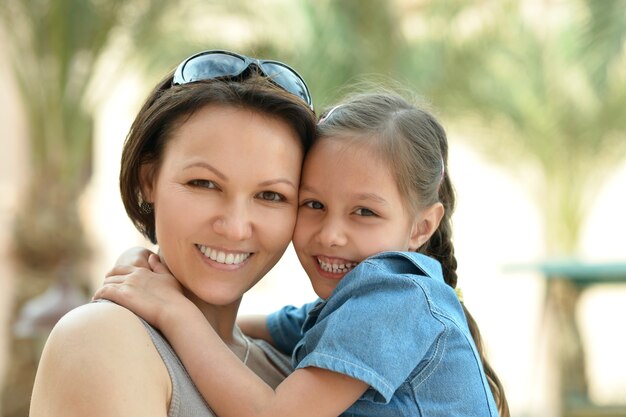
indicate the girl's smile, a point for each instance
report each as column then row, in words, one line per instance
column 334, row 268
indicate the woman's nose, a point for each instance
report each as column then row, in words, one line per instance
column 234, row 224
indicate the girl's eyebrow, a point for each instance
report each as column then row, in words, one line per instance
column 206, row 165
column 304, row 187
column 371, row 197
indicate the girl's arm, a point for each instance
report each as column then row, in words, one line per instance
column 230, row 388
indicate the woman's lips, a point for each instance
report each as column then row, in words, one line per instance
column 224, row 257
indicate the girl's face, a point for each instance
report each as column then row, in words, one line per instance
column 225, row 200
column 350, row 209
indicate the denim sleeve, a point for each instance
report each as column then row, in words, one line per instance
column 377, row 328
column 285, row 326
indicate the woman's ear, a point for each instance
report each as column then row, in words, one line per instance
column 425, row 225
column 146, row 178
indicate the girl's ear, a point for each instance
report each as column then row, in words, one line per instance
column 147, row 177
column 425, row 225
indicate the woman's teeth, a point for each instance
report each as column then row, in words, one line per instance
column 223, row 257
column 336, row 268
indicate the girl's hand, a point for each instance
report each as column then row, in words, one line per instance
column 153, row 294
column 136, row 256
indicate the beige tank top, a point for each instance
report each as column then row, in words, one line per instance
column 268, row 363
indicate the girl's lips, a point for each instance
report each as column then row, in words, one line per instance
column 334, row 267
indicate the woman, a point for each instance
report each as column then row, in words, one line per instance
column 210, row 171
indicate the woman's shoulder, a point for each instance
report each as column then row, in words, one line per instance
column 100, row 312
column 103, row 355
column 105, row 331
column 98, row 325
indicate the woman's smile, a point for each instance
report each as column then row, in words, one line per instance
column 224, row 257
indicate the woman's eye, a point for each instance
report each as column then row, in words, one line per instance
column 203, row 183
column 313, row 204
column 271, row 196
column 365, row 212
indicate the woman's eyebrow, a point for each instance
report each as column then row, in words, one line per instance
column 208, row 166
column 277, row 181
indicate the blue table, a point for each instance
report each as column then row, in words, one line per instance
column 566, row 280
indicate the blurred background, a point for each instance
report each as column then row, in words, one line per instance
column 532, row 93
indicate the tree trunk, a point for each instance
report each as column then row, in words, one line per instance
column 569, row 347
column 565, row 210
column 50, row 253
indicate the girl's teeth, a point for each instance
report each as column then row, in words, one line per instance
column 223, row 257
column 336, row 268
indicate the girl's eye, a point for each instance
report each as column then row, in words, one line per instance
column 203, row 183
column 365, row 212
column 313, row 204
column 271, row 196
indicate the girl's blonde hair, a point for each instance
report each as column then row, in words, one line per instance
column 414, row 145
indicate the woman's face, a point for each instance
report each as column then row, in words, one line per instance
column 225, row 200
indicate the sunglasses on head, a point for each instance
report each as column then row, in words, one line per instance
column 216, row 64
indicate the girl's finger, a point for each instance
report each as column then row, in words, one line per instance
column 156, row 265
column 109, row 292
column 120, row 270
column 115, row 279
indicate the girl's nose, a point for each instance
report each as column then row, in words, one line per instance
column 331, row 233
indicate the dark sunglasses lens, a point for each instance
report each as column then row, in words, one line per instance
column 287, row 79
column 211, row 66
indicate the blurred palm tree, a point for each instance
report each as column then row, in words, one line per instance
column 549, row 94
column 57, row 49
column 544, row 83
column 332, row 43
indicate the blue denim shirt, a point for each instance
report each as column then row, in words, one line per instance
column 393, row 323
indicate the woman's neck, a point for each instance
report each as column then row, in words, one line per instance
column 221, row 318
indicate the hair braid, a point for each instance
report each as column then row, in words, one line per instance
column 440, row 247
column 492, row 378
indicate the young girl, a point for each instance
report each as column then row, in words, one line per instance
column 389, row 336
